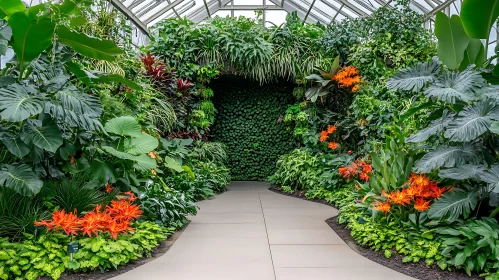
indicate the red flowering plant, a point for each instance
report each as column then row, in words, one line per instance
column 357, row 170
column 112, row 219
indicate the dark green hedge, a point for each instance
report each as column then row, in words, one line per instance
column 249, row 123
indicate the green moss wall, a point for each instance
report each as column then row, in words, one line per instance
column 249, row 123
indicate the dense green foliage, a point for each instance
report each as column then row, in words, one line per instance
column 249, row 123
column 45, row 255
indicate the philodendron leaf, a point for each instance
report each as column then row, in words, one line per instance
column 449, row 156
column 18, row 102
column 102, row 171
column 143, row 144
column 30, row 38
column 124, row 126
column 453, row 87
column 433, row 128
column 453, row 204
column 15, row 145
column 47, row 137
column 452, row 40
column 478, row 16
column 9, row 7
column 21, row 179
column 88, row 46
column 473, row 121
column 415, row 78
column 463, row 172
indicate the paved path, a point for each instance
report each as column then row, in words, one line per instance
column 251, row 233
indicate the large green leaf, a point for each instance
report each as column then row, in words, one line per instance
column 9, row 7
column 449, row 156
column 143, row 144
column 15, row 145
column 88, row 46
column 474, row 54
column 452, row 40
column 102, row 171
column 142, row 162
column 47, row 137
column 5, row 35
column 18, row 102
column 433, row 128
column 453, row 87
column 21, row 179
column 415, row 78
column 115, row 78
column 73, row 99
column 173, row 164
column 491, row 176
column 466, row 171
column 478, row 17
column 454, row 204
column 30, row 38
column 473, row 121
column 124, row 126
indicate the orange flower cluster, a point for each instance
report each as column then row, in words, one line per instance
column 357, row 168
column 115, row 219
column 325, row 135
column 421, row 190
column 348, row 77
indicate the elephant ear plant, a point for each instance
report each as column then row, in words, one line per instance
column 45, row 116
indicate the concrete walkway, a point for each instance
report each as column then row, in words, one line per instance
column 251, row 233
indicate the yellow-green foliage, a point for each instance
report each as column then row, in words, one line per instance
column 47, row 256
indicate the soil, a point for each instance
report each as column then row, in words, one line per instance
column 415, row 270
column 102, row 275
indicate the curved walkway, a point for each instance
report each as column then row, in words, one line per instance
column 251, row 233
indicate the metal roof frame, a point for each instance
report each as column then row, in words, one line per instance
column 142, row 13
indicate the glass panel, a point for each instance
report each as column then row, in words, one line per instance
column 275, row 17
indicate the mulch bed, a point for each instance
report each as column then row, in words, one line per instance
column 415, row 270
column 99, row 275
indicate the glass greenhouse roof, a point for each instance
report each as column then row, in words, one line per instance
column 145, row 13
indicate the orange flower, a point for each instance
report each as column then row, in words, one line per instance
column 355, row 88
column 386, row 195
column 331, row 129
column 348, row 172
column 422, row 205
column 333, row 145
column 419, row 180
column 94, row 222
column 324, row 136
column 151, row 155
column 131, row 196
column 153, row 172
column 384, row 207
column 400, row 198
column 412, row 192
column 364, row 176
column 60, row 220
column 123, row 210
column 116, row 228
column 109, row 189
